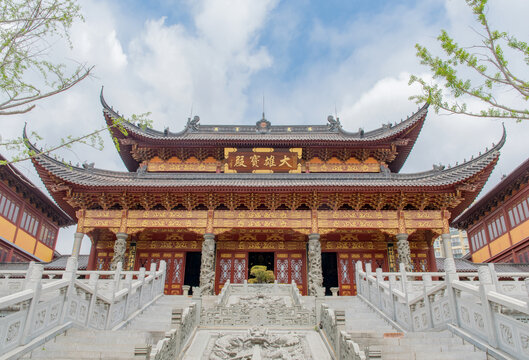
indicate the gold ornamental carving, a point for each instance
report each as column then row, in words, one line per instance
column 262, row 160
column 343, row 167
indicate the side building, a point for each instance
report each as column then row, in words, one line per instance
column 307, row 201
column 458, row 242
column 498, row 224
column 29, row 220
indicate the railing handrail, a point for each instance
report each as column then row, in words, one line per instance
column 486, row 308
column 82, row 301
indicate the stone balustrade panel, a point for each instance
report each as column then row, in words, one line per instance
column 42, row 301
column 491, row 307
column 175, row 340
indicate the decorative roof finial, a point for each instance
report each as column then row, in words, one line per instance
column 263, row 118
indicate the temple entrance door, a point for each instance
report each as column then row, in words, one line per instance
column 260, row 258
column 290, row 266
column 346, row 268
column 174, row 274
column 346, row 273
column 330, row 271
column 232, row 266
column 192, row 269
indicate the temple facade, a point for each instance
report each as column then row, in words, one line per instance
column 307, row 201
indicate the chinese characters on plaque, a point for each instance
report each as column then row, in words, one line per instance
column 262, row 160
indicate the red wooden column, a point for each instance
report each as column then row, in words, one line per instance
column 432, row 264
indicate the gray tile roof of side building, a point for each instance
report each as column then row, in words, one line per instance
column 463, row 265
column 58, row 263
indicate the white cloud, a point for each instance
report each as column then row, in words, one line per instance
column 219, row 66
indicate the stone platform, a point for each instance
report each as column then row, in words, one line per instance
column 257, row 343
column 267, row 321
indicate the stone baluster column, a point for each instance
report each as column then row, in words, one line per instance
column 403, row 248
column 120, row 246
column 77, row 241
column 315, row 272
column 207, row 265
column 447, row 245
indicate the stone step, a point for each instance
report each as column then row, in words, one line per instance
column 103, row 336
column 60, row 354
column 435, row 356
column 425, row 348
column 90, row 347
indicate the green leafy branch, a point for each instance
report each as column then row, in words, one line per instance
column 486, row 60
column 93, row 139
column 26, row 26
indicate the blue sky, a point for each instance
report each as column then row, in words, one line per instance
column 308, row 58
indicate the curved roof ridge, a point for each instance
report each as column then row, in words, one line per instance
column 115, row 114
column 379, row 133
column 403, row 124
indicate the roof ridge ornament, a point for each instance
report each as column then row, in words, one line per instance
column 333, row 124
column 193, row 124
column 263, row 125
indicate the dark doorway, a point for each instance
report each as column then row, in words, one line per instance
column 330, row 271
column 192, row 271
column 261, row 258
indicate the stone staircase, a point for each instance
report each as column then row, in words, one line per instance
column 367, row 328
column 146, row 328
column 382, row 341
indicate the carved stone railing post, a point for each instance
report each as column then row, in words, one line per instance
column 392, row 282
column 161, row 280
column 369, row 272
column 120, row 246
column 404, row 279
column 526, row 281
column 113, row 288
column 77, row 241
column 141, row 277
column 379, row 281
column 70, row 274
column 34, row 282
column 447, row 245
column 359, row 289
column 197, row 299
column 94, row 277
column 207, row 265
column 128, row 285
column 451, row 276
column 152, row 274
column 427, row 282
column 117, row 275
column 339, row 316
column 494, row 277
column 403, row 249
column 485, row 285
column 185, row 290
column 315, row 271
